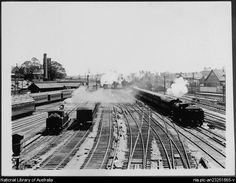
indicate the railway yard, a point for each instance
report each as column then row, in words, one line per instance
column 125, row 133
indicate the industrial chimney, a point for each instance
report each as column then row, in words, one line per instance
column 49, row 68
column 45, row 67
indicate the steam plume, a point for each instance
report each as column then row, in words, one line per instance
column 178, row 88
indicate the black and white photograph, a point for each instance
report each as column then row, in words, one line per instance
column 117, row 89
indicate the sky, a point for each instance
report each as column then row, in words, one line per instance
column 123, row 37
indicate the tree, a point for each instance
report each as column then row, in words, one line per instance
column 56, row 71
column 31, row 67
column 27, row 69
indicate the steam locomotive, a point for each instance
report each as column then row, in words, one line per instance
column 58, row 119
column 186, row 114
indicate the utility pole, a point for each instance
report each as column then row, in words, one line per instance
column 16, row 79
column 164, row 84
column 224, row 93
column 223, row 88
column 96, row 81
column 193, row 84
column 88, row 80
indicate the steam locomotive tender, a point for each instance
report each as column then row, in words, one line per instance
column 86, row 114
column 186, row 114
column 56, row 121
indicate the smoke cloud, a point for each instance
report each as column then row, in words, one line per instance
column 110, row 77
column 100, row 95
column 178, row 88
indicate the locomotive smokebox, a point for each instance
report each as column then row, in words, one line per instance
column 16, row 144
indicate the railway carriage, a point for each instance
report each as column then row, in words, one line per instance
column 25, row 104
column 40, row 97
column 185, row 114
column 22, row 105
column 66, row 94
column 54, row 96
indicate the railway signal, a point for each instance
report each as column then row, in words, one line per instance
column 16, row 148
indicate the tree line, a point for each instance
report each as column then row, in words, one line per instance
column 29, row 69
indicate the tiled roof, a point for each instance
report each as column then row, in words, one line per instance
column 220, row 74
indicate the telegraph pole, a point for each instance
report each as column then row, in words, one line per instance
column 16, row 78
column 193, row 83
column 88, row 80
column 164, row 84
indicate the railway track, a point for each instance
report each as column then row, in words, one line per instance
column 213, row 107
column 216, row 154
column 171, row 146
column 137, row 158
column 210, row 144
column 130, row 140
column 31, row 124
column 98, row 156
column 25, row 126
column 172, row 152
column 213, row 136
column 33, row 149
column 215, row 121
column 218, row 118
column 63, row 154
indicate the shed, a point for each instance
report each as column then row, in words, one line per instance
column 70, row 85
column 44, row 87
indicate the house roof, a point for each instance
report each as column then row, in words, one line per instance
column 220, row 74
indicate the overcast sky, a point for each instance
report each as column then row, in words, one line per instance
column 126, row 37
